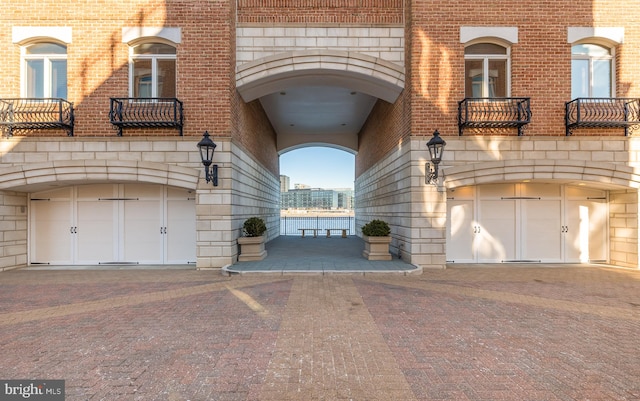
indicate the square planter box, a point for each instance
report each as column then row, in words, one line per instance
column 251, row 249
column 376, row 248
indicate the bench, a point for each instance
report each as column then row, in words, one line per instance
column 344, row 231
column 315, row 231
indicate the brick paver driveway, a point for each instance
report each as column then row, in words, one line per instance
column 498, row 333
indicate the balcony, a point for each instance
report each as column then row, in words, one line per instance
column 146, row 113
column 504, row 112
column 602, row 113
column 30, row 114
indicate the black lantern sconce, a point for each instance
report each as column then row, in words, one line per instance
column 436, row 148
column 207, row 147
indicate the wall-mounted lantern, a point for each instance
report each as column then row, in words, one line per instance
column 207, row 147
column 436, row 148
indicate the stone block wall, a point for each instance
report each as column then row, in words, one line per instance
column 13, row 229
column 256, row 193
column 623, row 228
column 258, row 41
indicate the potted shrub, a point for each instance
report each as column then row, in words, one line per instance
column 252, row 242
column 376, row 236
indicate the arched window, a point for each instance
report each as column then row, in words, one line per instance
column 153, row 70
column 591, row 71
column 44, row 70
column 486, row 70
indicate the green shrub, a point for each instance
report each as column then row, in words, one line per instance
column 254, row 227
column 376, row 228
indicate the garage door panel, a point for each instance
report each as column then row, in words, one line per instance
column 142, row 231
column 51, row 231
column 181, row 231
column 460, row 231
column 586, row 237
column 96, row 232
column 541, row 230
column 496, row 240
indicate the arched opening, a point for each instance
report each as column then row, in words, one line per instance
column 319, row 96
column 317, row 191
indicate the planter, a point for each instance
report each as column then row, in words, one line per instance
column 251, row 249
column 376, row 248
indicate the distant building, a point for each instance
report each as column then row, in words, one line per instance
column 301, row 186
column 345, row 199
column 316, row 198
column 285, row 183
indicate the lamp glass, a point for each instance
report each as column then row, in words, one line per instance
column 207, row 147
column 436, row 147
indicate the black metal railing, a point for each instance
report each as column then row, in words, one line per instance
column 146, row 113
column 36, row 114
column 502, row 112
column 602, row 113
column 292, row 225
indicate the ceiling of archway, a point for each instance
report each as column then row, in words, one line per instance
column 319, row 97
column 317, row 110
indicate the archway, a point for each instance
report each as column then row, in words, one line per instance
column 319, row 96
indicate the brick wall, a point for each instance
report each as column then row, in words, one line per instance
column 385, row 128
column 321, row 11
column 97, row 58
column 540, row 61
column 253, row 131
column 540, row 67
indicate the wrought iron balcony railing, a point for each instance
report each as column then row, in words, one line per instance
column 501, row 112
column 146, row 113
column 602, row 113
column 36, row 114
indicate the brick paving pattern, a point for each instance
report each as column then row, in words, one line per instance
column 481, row 333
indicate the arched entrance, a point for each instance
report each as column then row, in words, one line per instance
column 319, row 96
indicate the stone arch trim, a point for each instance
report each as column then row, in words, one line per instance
column 367, row 74
column 605, row 174
column 97, row 171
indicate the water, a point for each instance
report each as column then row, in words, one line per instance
column 291, row 225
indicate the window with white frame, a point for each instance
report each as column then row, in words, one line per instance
column 591, row 71
column 44, row 70
column 153, row 71
column 486, row 70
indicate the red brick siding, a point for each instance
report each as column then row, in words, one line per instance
column 97, row 59
column 540, row 61
column 254, row 133
column 385, row 128
column 320, row 11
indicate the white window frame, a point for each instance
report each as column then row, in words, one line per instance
column 612, row 65
column 47, row 70
column 154, row 66
column 485, row 64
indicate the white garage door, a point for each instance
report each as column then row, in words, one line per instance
column 526, row 223
column 113, row 224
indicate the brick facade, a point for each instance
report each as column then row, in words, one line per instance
column 423, row 40
column 321, row 11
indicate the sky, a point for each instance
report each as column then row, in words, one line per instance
column 319, row 167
